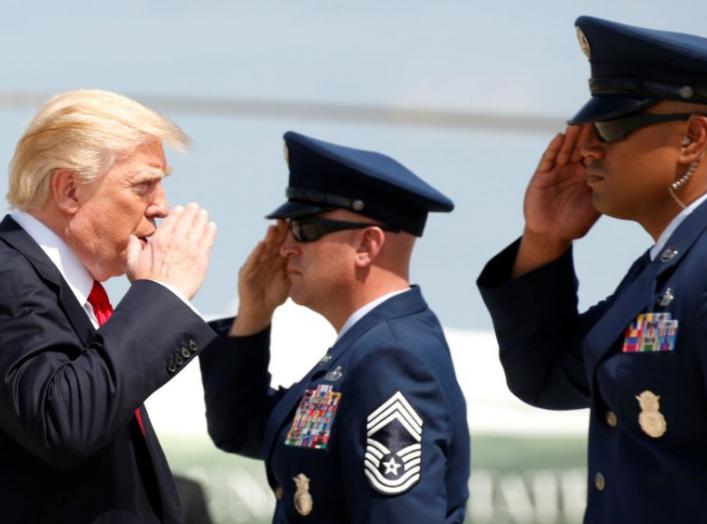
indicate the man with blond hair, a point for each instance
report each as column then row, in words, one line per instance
column 76, row 444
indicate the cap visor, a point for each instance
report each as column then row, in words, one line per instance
column 607, row 107
column 292, row 209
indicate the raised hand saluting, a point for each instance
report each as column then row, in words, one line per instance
column 262, row 283
column 558, row 203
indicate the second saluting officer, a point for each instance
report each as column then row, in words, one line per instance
column 638, row 359
column 376, row 432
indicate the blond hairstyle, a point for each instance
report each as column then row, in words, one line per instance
column 85, row 131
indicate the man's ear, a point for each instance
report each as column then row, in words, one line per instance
column 64, row 190
column 369, row 246
column 694, row 143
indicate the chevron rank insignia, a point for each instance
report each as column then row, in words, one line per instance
column 393, row 446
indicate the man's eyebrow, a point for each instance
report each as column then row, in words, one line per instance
column 150, row 173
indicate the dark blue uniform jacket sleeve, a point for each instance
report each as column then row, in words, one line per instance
column 377, row 376
column 539, row 329
column 237, row 391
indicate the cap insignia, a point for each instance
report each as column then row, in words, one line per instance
column 584, row 43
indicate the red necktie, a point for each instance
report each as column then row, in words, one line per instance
column 98, row 298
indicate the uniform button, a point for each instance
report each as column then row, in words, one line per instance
column 192, row 346
column 278, row 493
column 600, row 481
column 185, row 352
column 178, row 360
column 611, row 419
column 171, row 366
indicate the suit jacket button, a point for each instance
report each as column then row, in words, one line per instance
column 192, row 346
column 611, row 419
column 171, row 367
column 599, row 481
column 178, row 360
column 185, row 352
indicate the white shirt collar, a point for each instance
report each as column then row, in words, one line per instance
column 362, row 311
column 674, row 223
column 76, row 275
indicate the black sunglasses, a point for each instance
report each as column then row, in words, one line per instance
column 312, row 229
column 615, row 130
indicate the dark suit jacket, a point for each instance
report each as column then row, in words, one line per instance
column 397, row 348
column 556, row 358
column 194, row 501
column 70, row 450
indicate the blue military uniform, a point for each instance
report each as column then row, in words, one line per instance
column 376, row 432
column 638, row 359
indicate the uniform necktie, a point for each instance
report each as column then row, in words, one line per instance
column 98, row 298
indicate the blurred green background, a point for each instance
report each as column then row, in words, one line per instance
column 528, row 480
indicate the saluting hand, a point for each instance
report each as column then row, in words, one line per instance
column 177, row 254
column 558, row 203
column 262, row 283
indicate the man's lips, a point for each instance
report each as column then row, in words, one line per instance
column 291, row 272
column 593, row 178
column 144, row 238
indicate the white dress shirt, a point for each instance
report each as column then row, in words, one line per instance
column 362, row 311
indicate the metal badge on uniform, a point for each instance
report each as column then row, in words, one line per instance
column 651, row 332
column 334, row 374
column 668, row 254
column 393, row 446
column 302, row 499
column 314, row 418
column 666, row 298
column 650, row 419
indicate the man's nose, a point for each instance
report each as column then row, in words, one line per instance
column 289, row 247
column 591, row 147
column 159, row 207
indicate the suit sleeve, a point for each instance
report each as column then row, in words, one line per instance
column 395, row 401
column 63, row 400
column 237, row 392
column 539, row 329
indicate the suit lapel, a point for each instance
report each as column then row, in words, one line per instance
column 638, row 295
column 397, row 306
column 12, row 234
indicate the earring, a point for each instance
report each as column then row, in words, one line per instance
column 686, row 141
column 682, row 181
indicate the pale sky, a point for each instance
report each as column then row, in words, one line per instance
column 517, row 58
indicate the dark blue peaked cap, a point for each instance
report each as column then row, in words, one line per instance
column 326, row 176
column 634, row 67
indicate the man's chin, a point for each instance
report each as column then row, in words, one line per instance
column 606, row 208
column 298, row 297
